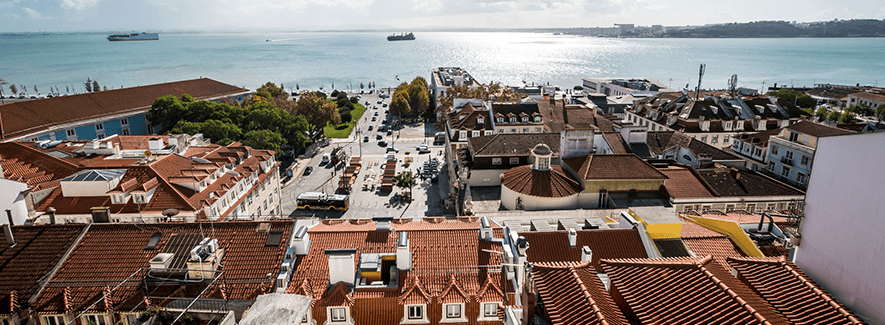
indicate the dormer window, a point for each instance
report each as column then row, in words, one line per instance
column 415, row 314
column 500, row 119
column 453, row 313
column 525, row 119
column 537, row 119
column 338, row 315
column 512, row 119
column 480, row 120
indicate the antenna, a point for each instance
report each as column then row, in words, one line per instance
column 732, row 85
column 697, row 91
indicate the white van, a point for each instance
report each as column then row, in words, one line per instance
column 326, row 158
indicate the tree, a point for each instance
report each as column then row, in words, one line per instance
column 399, row 106
column 791, row 96
column 880, row 113
column 270, row 91
column 847, row 118
column 821, row 113
column 418, row 95
column 266, row 139
column 316, row 110
column 346, row 116
column 362, row 86
column 88, row 84
column 405, row 180
column 834, row 116
column 14, row 89
column 95, row 86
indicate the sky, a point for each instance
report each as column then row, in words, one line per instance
column 296, row 15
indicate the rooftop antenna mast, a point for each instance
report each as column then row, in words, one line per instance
column 697, row 90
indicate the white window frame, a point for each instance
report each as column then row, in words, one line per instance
column 99, row 134
column 500, row 119
column 99, row 319
column 331, row 320
column 497, row 161
column 773, row 149
column 514, row 160
column 475, row 134
column 54, row 320
column 124, row 121
column 124, row 131
column 488, row 132
column 70, row 132
column 525, row 119
column 801, row 178
column 804, row 160
column 462, row 135
column 512, row 119
column 99, row 126
column 409, row 318
column 452, row 317
column 483, row 315
column 537, row 119
column 480, row 120
column 785, row 172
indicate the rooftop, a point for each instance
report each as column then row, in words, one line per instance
column 816, row 129
column 571, row 293
column 541, row 183
column 732, row 182
column 512, row 144
column 684, row 182
column 553, row 246
column 869, row 96
column 26, row 117
column 617, row 166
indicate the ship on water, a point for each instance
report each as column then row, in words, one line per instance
column 401, row 37
column 134, row 37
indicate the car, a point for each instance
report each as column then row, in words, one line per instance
column 374, row 106
column 389, row 131
column 365, row 138
column 376, row 113
column 382, row 143
column 374, row 118
column 394, row 149
column 371, row 127
column 434, row 178
column 422, row 148
column 367, row 103
column 382, row 121
column 379, row 136
column 386, row 111
column 326, row 159
column 308, row 170
column 379, row 101
column 384, row 105
column 382, row 128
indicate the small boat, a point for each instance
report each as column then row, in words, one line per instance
column 268, row 40
column 134, row 37
column 401, row 37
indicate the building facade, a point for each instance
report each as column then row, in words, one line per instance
column 791, row 152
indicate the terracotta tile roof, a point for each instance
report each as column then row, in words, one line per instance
column 759, row 139
column 109, row 253
column 23, row 162
column 466, row 118
column 774, row 251
column 512, row 144
column 869, row 96
column 676, row 285
column 25, row 117
column 616, row 141
column 684, row 182
column 553, row 246
column 732, row 182
column 720, row 248
column 448, row 261
column 791, row 292
column 36, row 252
column 541, row 183
column 571, row 293
column 624, row 166
column 816, row 129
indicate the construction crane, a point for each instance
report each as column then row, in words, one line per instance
column 697, row 91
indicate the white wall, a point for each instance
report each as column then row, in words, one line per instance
column 11, row 198
column 530, row 203
column 842, row 241
column 485, row 177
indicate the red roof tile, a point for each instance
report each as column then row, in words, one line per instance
column 627, row 166
column 109, row 253
column 542, row 183
column 683, row 182
column 553, row 246
column 23, row 162
column 685, row 291
column 36, row 252
column 791, row 292
column 22, row 118
column 571, row 293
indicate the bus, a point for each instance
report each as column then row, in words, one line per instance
column 322, row 201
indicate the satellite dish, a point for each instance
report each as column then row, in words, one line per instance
column 170, row 212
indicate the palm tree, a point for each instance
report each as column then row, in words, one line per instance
column 405, row 180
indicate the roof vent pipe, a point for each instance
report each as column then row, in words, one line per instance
column 572, row 238
column 9, row 215
column 51, row 212
column 10, row 240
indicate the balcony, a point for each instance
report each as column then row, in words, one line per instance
column 787, row 161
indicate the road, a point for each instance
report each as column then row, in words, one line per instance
column 372, row 203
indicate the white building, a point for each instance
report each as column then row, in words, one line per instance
column 790, row 153
column 12, row 201
column 870, row 99
column 444, row 77
column 841, row 245
column 625, row 86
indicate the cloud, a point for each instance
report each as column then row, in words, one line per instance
column 78, row 4
column 34, row 14
column 6, row 5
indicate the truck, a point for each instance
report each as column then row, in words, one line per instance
column 337, row 155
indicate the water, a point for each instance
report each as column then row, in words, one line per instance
column 311, row 60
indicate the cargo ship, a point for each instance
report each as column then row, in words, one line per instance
column 134, row 37
column 401, row 37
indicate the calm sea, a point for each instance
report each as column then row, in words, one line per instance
column 311, row 60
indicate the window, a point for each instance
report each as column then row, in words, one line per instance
column 94, row 319
column 705, row 208
column 805, row 160
column 338, row 314
column 480, row 120
column 773, row 150
column 124, row 121
column 125, row 131
column 99, row 134
column 512, row 119
column 725, row 138
column 70, row 132
column 488, row 132
column 729, row 207
column 525, row 119
column 801, row 178
column 537, row 130
column 757, row 152
column 703, row 138
column 453, row 310
column 415, row 312
column 771, row 167
column 500, row 130
column 496, row 161
column 715, row 138
column 793, row 136
column 525, row 130
column 514, row 160
column 265, row 204
column 751, row 207
column 54, row 320
column 490, row 309
column 475, row 134
column 513, row 130
column 463, row 135
column 785, row 172
column 500, row 119
column 99, row 127
column 788, row 154
column 728, row 125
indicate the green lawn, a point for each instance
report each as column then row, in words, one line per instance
column 343, row 130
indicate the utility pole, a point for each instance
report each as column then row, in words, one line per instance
column 697, row 91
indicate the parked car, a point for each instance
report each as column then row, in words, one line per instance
column 374, row 118
column 394, row 149
column 308, row 170
column 365, row 138
column 374, row 106
column 382, row 143
column 379, row 101
column 389, row 131
column 371, row 127
column 376, row 113
column 434, row 178
column 379, row 136
column 423, row 148
column 384, row 105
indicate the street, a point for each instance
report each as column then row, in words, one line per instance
column 368, row 203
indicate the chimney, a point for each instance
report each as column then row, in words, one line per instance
column 155, row 144
column 341, row 267
column 301, row 241
column 51, row 212
column 403, row 255
column 586, row 254
column 9, row 215
column 117, row 152
column 383, row 223
column 572, row 238
column 10, row 240
column 522, row 245
column 485, row 230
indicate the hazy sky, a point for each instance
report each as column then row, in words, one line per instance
column 137, row 15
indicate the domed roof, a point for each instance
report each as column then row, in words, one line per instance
column 552, row 183
column 542, row 150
